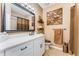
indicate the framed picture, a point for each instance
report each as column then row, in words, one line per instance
column 54, row 17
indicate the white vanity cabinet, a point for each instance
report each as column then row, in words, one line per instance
column 42, row 45
column 39, row 46
column 24, row 46
column 25, row 49
column 1, row 53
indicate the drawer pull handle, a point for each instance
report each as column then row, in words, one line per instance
column 24, row 48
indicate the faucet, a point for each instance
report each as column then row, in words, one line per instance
column 31, row 33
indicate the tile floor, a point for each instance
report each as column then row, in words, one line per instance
column 55, row 52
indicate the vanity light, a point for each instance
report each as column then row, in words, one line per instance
column 27, row 6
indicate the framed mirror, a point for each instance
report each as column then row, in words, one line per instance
column 18, row 18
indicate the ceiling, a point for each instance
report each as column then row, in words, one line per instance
column 45, row 5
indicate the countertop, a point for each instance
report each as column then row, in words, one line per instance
column 17, row 40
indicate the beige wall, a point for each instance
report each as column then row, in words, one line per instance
column 13, row 25
column 49, row 32
column 0, row 17
column 38, row 12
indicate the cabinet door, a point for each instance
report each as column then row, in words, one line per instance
column 42, row 45
column 36, row 47
column 39, row 46
column 1, row 53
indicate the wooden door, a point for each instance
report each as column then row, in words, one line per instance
column 23, row 24
column 72, row 29
column 27, row 24
column 19, row 20
column 58, row 36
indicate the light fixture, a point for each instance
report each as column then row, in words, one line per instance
column 27, row 7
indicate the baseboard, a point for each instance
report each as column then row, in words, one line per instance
column 57, row 48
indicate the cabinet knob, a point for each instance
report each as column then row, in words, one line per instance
column 23, row 48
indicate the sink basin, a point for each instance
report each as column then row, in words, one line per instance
column 3, row 37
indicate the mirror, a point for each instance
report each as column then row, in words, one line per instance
column 18, row 18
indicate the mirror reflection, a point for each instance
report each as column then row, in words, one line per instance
column 18, row 19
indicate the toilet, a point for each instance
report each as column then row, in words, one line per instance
column 47, row 44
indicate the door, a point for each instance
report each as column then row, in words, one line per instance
column 37, row 50
column 27, row 24
column 72, row 29
column 19, row 20
column 42, row 45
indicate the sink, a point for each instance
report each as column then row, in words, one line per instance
column 3, row 37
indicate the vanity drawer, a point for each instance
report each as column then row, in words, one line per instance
column 1, row 53
column 23, row 49
column 30, row 53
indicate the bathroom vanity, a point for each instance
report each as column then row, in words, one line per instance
column 20, row 21
column 33, row 45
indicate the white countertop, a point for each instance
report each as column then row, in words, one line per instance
column 17, row 40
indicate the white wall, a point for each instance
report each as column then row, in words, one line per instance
column 13, row 22
column 17, row 14
column 49, row 32
column 38, row 12
column 8, row 15
column 30, row 23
